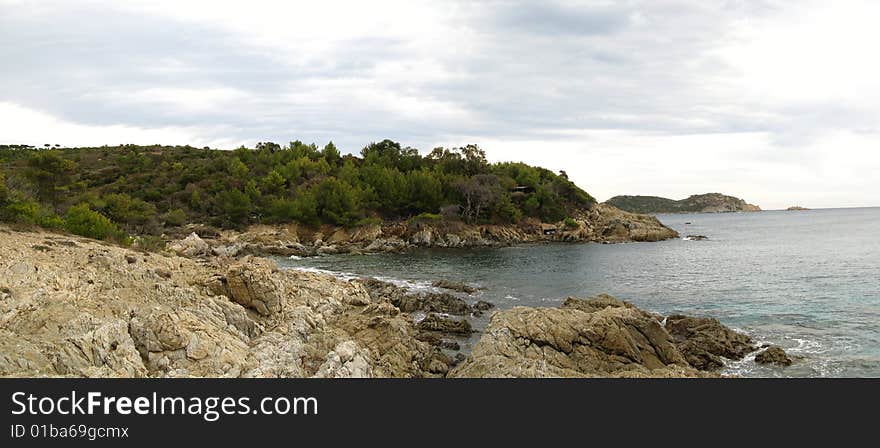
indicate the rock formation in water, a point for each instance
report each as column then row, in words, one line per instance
column 773, row 355
column 699, row 203
column 597, row 337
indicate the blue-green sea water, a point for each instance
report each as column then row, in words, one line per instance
column 808, row 281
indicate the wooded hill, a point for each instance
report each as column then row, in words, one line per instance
column 144, row 189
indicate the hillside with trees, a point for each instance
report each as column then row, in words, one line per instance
column 109, row 192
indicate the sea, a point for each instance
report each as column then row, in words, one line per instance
column 808, row 281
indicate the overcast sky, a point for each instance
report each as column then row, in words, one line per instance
column 777, row 102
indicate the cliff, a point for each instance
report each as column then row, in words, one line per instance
column 699, row 203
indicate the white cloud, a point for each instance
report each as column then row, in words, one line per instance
column 27, row 126
column 774, row 101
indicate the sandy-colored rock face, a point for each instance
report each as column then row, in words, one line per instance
column 77, row 307
column 597, row 337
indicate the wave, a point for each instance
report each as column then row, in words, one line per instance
column 412, row 285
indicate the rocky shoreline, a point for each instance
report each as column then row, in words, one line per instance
column 71, row 306
column 602, row 224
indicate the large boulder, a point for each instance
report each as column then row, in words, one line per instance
column 191, row 246
column 252, row 283
column 704, row 341
column 598, row 337
column 773, row 355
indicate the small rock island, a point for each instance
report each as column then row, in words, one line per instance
column 698, row 203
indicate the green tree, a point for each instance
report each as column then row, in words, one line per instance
column 338, row 202
column 331, row 154
column 235, row 207
column 132, row 212
column 4, row 191
column 273, row 183
column 423, row 192
column 50, row 174
column 303, row 208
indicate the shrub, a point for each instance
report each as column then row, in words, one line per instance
column 149, row 243
column 21, row 212
column 176, row 217
column 427, row 217
column 84, row 221
column 51, row 221
column 370, row 221
column 571, row 223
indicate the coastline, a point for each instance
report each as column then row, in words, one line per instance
column 78, row 307
column 601, row 224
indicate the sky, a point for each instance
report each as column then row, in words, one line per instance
column 776, row 102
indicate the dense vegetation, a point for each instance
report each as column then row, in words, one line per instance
column 694, row 204
column 107, row 192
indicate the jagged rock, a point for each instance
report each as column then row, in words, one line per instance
column 191, row 246
column 435, row 322
column 773, row 355
column 582, row 339
column 347, row 360
column 411, row 302
column 696, row 237
column 703, row 340
column 597, row 303
column 455, row 286
column 483, row 305
column 423, row 237
column 82, row 310
column 251, row 284
column 615, row 225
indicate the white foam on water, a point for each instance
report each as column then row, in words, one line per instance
column 295, row 257
column 340, row 275
column 348, row 276
column 413, row 285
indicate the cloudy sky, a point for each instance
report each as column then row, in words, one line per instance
column 777, row 102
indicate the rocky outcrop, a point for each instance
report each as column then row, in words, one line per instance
column 455, row 286
column 704, row 341
column 78, row 307
column 773, row 355
column 191, row 246
column 584, row 338
column 613, row 225
column 409, row 302
column 601, row 223
column 440, row 324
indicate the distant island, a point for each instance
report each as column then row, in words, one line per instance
column 796, row 208
column 698, row 203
